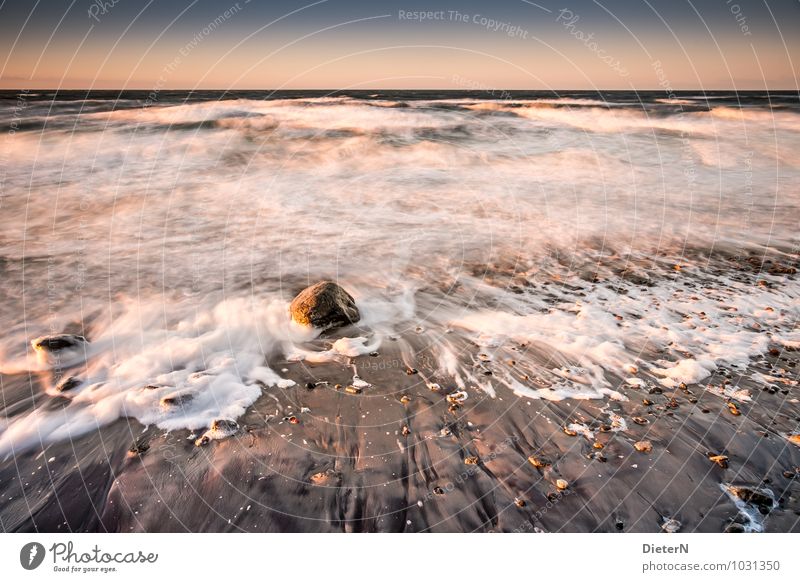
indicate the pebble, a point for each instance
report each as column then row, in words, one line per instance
column 671, row 525
column 643, row 446
column 353, row 390
column 538, row 462
column 721, row 460
column 562, row 484
column 457, row 397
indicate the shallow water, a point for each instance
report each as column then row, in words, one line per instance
column 599, row 241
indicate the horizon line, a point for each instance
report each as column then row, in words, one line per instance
column 455, row 90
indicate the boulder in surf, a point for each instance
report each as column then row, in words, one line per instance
column 324, row 305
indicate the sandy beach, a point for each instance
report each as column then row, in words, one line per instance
column 407, row 450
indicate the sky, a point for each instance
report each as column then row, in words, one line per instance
column 381, row 44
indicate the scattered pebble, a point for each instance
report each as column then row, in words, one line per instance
column 457, row 397
column 538, row 462
column 670, row 525
column 721, row 460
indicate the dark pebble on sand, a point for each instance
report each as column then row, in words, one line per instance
column 138, row 448
column 68, row 384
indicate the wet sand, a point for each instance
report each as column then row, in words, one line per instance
column 398, row 457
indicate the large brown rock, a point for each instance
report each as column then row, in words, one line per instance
column 324, row 305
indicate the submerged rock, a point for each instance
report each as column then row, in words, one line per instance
column 62, row 350
column 56, row 343
column 324, row 305
column 67, row 384
column 175, row 400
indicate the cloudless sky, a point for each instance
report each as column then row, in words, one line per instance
column 326, row 44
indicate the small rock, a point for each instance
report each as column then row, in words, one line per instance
column 561, row 484
column 322, row 477
column 219, row 429
column 538, row 462
column 137, row 449
column 643, row 446
column 405, row 399
column 353, row 390
column 670, row 525
column 457, row 397
column 174, row 400
column 55, row 343
column 67, row 384
column 760, row 498
column 721, row 460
